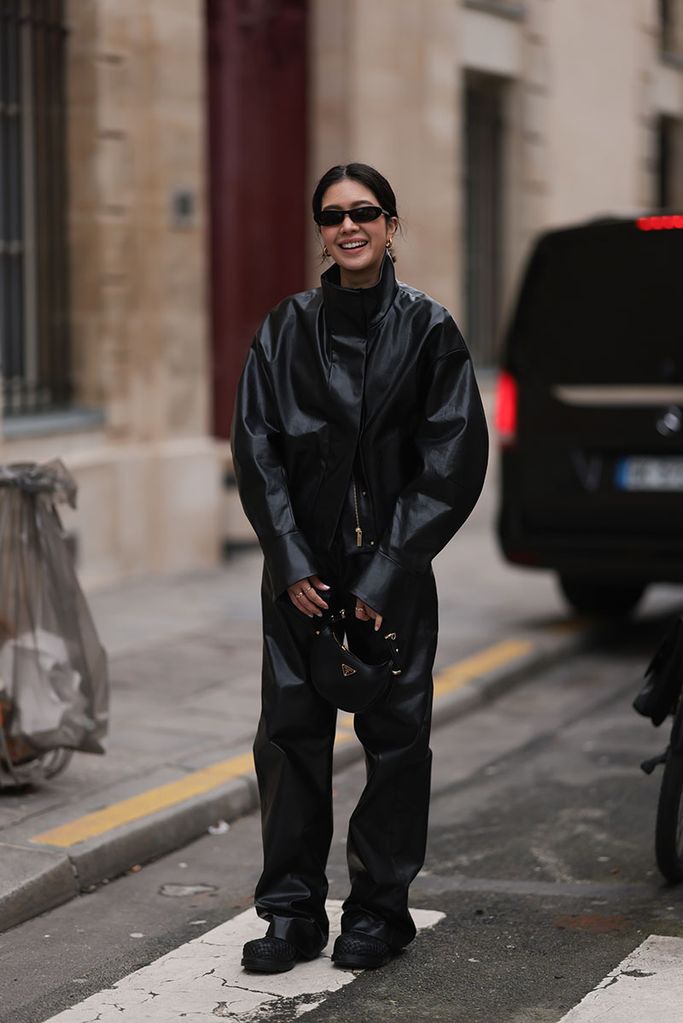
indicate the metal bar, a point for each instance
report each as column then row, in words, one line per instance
column 54, row 356
column 28, row 155
column 61, row 194
column 14, row 210
column 4, row 151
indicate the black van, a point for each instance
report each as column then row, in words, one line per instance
column 590, row 412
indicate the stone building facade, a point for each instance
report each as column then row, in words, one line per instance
column 493, row 119
column 136, row 433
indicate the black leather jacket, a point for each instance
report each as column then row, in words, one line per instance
column 381, row 372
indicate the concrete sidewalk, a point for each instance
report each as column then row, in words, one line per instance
column 185, row 664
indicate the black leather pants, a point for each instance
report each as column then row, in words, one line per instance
column 293, row 754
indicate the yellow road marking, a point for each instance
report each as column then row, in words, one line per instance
column 459, row 674
column 343, row 735
column 153, row 800
column 145, row 803
column 567, row 627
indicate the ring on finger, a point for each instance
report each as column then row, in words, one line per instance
column 299, row 594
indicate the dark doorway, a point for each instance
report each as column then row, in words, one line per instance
column 483, row 213
column 668, row 163
column 257, row 174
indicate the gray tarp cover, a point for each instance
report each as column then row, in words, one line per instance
column 54, row 686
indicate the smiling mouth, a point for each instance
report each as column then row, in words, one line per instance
column 350, row 246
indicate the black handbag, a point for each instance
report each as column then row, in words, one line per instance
column 340, row 676
column 663, row 678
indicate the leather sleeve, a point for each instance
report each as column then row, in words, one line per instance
column 452, row 448
column 261, row 477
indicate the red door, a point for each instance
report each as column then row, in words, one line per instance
column 257, row 174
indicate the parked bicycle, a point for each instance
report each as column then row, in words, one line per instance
column 660, row 697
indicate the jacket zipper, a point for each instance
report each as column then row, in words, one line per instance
column 371, row 509
column 359, row 531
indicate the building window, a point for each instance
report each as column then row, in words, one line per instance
column 34, row 327
column 671, row 27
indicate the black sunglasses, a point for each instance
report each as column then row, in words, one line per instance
column 359, row 215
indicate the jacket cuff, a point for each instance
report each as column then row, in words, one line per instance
column 288, row 559
column 385, row 586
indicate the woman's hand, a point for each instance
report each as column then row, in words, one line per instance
column 305, row 597
column 365, row 613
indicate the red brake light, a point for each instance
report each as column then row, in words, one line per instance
column 663, row 223
column 506, row 408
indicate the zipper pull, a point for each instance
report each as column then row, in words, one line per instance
column 359, row 537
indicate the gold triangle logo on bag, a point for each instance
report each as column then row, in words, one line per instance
column 348, row 670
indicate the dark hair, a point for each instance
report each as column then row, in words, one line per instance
column 363, row 173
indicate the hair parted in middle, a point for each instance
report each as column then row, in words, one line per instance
column 365, row 175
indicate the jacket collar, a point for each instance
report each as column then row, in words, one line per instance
column 356, row 310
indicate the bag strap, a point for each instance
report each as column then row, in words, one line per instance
column 393, row 648
column 331, row 618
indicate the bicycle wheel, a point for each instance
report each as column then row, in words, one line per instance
column 669, row 826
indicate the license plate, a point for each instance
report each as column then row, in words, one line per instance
column 650, row 473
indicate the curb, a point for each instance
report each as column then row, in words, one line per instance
column 495, row 683
column 54, row 876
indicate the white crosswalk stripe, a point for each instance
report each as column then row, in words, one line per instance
column 204, row 980
column 647, row 987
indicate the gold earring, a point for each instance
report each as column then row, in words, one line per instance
column 389, row 243
column 326, row 254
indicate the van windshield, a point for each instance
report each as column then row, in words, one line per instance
column 601, row 304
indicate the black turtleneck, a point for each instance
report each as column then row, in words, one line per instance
column 356, row 310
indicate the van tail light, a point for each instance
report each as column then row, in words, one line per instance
column 506, row 409
column 661, row 223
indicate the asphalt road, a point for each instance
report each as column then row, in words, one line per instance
column 540, row 857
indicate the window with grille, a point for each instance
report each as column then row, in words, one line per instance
column 34, row 325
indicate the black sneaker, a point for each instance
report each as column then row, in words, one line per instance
column 269, row 955
column 358, row 951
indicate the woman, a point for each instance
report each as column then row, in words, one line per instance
column 360, row 447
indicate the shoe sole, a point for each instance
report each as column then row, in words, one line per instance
column 359, row 963
column 267, row 965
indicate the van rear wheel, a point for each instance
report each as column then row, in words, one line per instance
column 601, row 599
